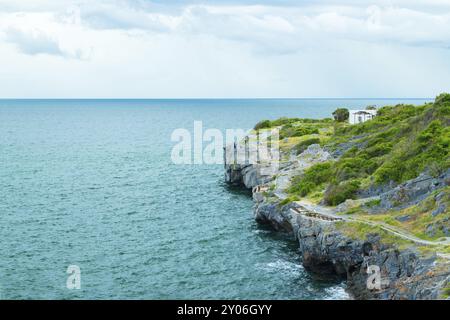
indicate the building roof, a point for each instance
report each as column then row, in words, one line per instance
column 363, row 111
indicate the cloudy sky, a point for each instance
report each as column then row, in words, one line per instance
column 224, row 49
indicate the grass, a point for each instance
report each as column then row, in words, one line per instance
column 419, row 216
column 359, row 231
column 397, row 145
column 312, row 178
column 373, row 203
column 288, row 200
column 446, row 292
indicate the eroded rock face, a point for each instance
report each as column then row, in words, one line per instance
column 280, row 218
column 325, row 249
column 403, row 274
column 247, row 175
column 410, row 192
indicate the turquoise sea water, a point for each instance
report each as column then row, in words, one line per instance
column 91, row 183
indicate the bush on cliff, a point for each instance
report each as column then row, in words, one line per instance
column 397, row 145
column 400, row 143
column 442, row 99
column 289, row 130
column 428, row 149
column 290, row 122
column 341, row 114
column 314, row 176
column 338, row 193
column 303, row 145
column 288, row 200
column 262, row 125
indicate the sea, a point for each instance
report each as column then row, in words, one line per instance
column 92, row 205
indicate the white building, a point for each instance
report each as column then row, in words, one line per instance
column 359, row 116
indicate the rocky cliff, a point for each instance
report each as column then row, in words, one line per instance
column 326, row 247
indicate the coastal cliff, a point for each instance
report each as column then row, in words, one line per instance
column 347, row 220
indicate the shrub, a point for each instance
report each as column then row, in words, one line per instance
column 373, row 203
column 283, row 121
column 312, row 177
column 443, row 98
column 289, row 130
column 288, row 200
column 389, row 171
column 354, row 167
column 263, row 124
column 338, row 193
column 378, row 149
column 341, row 114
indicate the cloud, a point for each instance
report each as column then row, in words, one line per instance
column 306, row 26
column 33, row 42
column 125, row 17
column 227, row 49
column 37, row 33
column 280, row 29
column 271, row 28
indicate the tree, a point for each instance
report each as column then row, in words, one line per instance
column 263, row 124
column 341, row 114
column 442, row 98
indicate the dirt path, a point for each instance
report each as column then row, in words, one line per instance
column 394, row 230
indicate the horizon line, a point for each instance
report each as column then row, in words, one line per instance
column 308, row 98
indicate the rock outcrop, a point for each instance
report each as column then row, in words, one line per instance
column 404, row 274
column 248, row 175
column 326, row 249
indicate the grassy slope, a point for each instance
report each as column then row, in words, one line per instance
column 396, row 146
column 399, row 144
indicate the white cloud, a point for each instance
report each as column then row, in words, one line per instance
column 144, row 49
column 33, row 42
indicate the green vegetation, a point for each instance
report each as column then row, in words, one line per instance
column 290, row 130
column 341, row 114
column 336, row 194
column 446, row 292
column 415, row 219
column 294, row 127
column 262, row 125
column 266, row 124
column 397, row 145
column 313, row 177
column 373, row 203
column 288, row 200
column 303, row 145
column 359, row 230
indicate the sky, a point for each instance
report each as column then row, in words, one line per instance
column 224, row 49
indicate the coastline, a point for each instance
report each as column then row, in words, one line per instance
column 409, row 268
